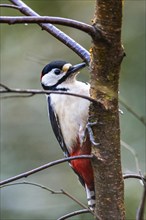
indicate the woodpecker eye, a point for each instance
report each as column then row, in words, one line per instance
column 57, row 71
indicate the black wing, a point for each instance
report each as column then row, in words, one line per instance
column 56, row 127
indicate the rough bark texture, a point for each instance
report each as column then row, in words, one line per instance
column 106, row 58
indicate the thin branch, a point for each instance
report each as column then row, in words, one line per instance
column 10, row 6
column 89, row 29
column 36, row 170
column 74, row 214
column 134, row 176
column 74, row 199
column 129, row 109
column 143, row 178
column 128, row 147
column 5, row 87
column 32, row 92
column 61, row 192
column 77, row 48
column 33, row 184
column 17, row 96
column 141, row 208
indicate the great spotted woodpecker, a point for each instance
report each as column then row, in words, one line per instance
column 68, row 116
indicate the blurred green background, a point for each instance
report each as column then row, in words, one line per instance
column 27, row 140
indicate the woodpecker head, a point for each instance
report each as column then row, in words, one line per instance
column 58, row 72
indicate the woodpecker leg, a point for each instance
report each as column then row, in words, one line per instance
column 90, row 132
column 90, row 197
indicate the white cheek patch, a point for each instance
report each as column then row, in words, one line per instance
column 51, row 78
column 45, row 80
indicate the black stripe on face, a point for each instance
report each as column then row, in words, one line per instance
column 71, row 70
column 54, row 88
column 59, row 65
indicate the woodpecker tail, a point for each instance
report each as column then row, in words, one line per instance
column 90, row 197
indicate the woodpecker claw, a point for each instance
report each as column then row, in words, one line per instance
column 90, row 132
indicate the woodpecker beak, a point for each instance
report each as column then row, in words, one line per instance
column 76, row 68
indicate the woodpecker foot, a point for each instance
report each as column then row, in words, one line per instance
column 90, row 132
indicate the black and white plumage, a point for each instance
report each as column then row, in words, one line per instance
column 69, row 116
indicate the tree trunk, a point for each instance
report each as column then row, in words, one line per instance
column 106, row 57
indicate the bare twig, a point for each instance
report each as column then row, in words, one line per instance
column 30, row 172
column 33, row 184
column 32, row 92
column 141, row 208
column 128, row 147
column 134, row 176
column 74, row 214
column 143, row 178
column 61, row 192
column 77, row 201
column 10, row 6
column 17, row 96
column 129, row 109
column 5, row 87
column 77, row 48
column 89, row 29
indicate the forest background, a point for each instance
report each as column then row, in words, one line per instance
column 27, row 140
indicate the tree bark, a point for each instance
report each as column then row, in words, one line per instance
column 106, row 57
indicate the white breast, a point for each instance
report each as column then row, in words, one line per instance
column 72, row 112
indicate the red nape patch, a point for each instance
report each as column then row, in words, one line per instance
column 41, row 76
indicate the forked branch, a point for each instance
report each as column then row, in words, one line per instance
column 61, row 36
column 59, row 192
column 10, row 6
